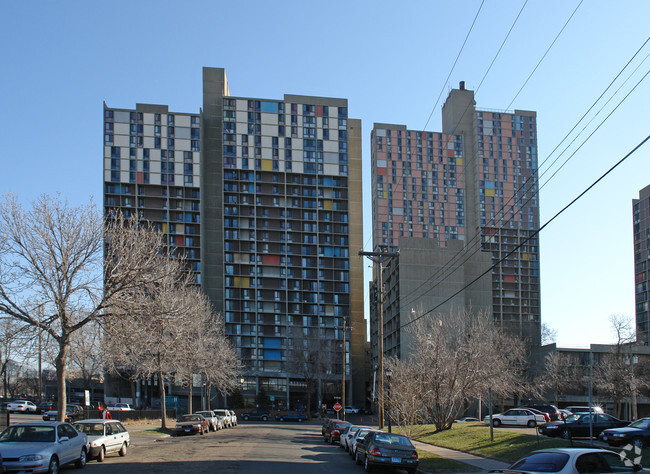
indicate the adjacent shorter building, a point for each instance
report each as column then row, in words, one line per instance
column 461, row 207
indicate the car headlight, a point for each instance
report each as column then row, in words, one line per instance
column 552, row 427
column 178, row 427
column 620, row 435
column 30, row 457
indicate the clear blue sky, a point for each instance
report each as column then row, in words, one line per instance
column 61, row 59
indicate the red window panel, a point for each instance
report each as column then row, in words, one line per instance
column 381, row 171
column 509, row 278
column 319, row 110
column 271, row 259
column 180, row 241
column 139, row 177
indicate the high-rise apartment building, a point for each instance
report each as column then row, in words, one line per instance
column 455, row 203
column 641, row 216
column 277, row 186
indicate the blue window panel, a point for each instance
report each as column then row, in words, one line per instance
column 272, row 354
column 270, row 107
column 489, row 184
column 272, row 342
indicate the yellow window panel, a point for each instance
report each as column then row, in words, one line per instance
column 459, row 161
column 267, row 165
column 489, row 192
column 327, row 204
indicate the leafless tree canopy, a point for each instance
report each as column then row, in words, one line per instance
column 167, row 327
column 457, row 357
column 52, row 270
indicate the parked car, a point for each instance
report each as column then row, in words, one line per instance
column 564, row 414
column 291, row 416
column 348, row 434
column 358, row 436
column 225, row 416
column 23, row 406
column 552, row 411
column 191, row 424
column 213, row 421
column 516, row 416
column 258, row 415
column 233, row 417
column 466, row 419
column 105, row 437
column 72, row 413
column 578, row 425
column 333, row 431
column 42, row 447
column 636, row 433
column 45, row 406
column 351, row 410
column 580, row 409
column 325, row 423
column 547, row 417
column 120, row 407
column 387, row 449
column 572, row 461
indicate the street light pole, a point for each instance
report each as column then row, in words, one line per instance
column 343, row 387
column 379, row 258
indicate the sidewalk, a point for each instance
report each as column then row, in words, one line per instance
column 479, row 462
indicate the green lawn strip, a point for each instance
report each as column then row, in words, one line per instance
column 158, row 431
column 475, row 438
column 434, row 463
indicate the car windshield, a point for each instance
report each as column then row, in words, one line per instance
column 221, row 412
column 573, row 418
column 643, row 424
column 341, row 426
column 542, row 462
column 204, row 413
column 28, row 434
column 92, row 429
column 398, row 440
column 190, row 418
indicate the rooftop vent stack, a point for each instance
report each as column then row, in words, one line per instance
column 462, row 85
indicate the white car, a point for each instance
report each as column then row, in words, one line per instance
column 516, row 416
column 233, row 417
column 215, row 424
column 348, row 434
column 573, row 461
column 351, row 411
column 359, row 435
column 225, row 416
column 120, row 407
column 24, row 406
column 105, row 437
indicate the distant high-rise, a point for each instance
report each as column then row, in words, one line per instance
column 641, row 215
column 454, row 204
column 264, row 196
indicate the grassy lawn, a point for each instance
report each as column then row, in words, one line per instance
column 507, row 446
column 158, row 431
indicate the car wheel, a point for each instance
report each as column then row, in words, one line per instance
column 366, row 465
column 639, row 443
column 123, row 450
column 264, row 418
column 54, row 466
column 496, row 422
column 357, row 460
column 566, row 434
column 299, row 420
column 81, row 462
column 532, row 423
column 245, row 418
column 101, row 455
column 281, row 418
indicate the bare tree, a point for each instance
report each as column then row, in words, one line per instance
column 207, row 353
column 86, row 361
column 549, row 335
column 559, row 375
column 404, row 398
column 53, row 275
column 457, row 358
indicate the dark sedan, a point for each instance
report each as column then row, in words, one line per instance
column 637, row 433
column 578, row 426
column 333, row 431
column 190, row 424
column 291, row 416
column 386, row 449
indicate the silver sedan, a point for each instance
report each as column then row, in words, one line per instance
column 42, row 447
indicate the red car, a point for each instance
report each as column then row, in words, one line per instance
column 191, row 424
column 333, row 431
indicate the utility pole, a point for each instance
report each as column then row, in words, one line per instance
column 343, row 371
column 379, row 258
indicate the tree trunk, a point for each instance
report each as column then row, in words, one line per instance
column 61, row 373
column 163, row 405
column 189, row 396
